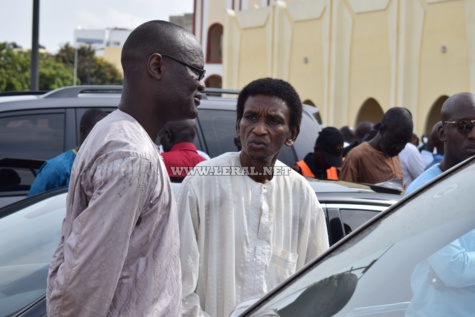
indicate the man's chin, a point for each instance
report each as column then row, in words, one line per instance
column 260, row 157
column 191, row 114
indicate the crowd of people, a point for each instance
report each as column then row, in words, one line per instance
column 130, row 248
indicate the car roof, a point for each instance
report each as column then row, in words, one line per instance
column 109, row 96
column 347, row 192
column 6, row 96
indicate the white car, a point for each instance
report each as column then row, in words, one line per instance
column 394, row 263
column 31, row 229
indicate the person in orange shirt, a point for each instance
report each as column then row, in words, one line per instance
column 326, row 158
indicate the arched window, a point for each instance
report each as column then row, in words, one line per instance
column 214, row 50
column 214, row 81
column 433, row 114
column 370, row 111
column 316, row 114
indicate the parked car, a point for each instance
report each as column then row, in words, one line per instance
column 43, row 126
column 369, row 272
column 31, row 229
column 19, row 95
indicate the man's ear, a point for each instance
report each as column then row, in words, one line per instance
column 154, row 66
column 169, row 135
column 294, row 133
column 238, row 127
column 442, row 133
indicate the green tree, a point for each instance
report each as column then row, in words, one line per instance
column 91, row 70
column 53, row 74
column 14, row 68
column 55, row 71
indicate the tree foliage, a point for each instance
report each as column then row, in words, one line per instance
column 55, row 71
column 91, row 70
column 14, row 68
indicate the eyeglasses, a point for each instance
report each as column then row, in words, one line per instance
column 200, row 72
column 464, row 126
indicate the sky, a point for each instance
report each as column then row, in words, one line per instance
column 59, row 18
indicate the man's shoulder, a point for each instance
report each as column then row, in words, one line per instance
column 225, row 159
column 358, row 151
column 65, row 158
column 65, row 155
column 424, row 178
column 183, row 146
column 409, row 150
column 120, row 132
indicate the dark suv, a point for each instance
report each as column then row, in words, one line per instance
column 35, row 129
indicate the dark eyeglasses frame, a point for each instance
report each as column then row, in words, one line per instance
column 464, row 126
column 201, row 72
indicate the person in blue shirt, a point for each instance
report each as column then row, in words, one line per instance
column 433, row 143
column 55, row 172
column 444, row 283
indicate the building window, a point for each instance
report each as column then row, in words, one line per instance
column 214, row 52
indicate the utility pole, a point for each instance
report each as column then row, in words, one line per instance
column 34, row 76
column 75, row 76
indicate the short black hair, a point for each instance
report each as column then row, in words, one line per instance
column 273, row 87
column 398, row 119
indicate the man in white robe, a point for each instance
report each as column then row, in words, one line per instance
column 119, row 248
column 247, row 221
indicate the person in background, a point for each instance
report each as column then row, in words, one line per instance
column 348, row 135
column 179, row 153
column 253, row 222
column 326, row 157
column 412, row 164
column 56, row 172
column 119, row 252
column 415, row 140
column 434, row 150
column 203, row 154
column 361, row 132
column 377, row 160
column 444, row 283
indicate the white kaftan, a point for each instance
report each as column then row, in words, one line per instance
column 119, row 248
column 241, row 238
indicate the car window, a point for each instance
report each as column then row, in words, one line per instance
column 373, row 272
column 22, row 135
column 354, row 217
column 343, row 217
column 26, row 257
column 16, row 175
column 218, row 128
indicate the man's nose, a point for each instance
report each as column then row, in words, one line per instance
column 201, row 85
column 260, row 127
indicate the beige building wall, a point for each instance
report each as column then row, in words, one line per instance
column 354, row 59
column 112, row 55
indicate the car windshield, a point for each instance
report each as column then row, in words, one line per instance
column 371, row 274
column 29, row 237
